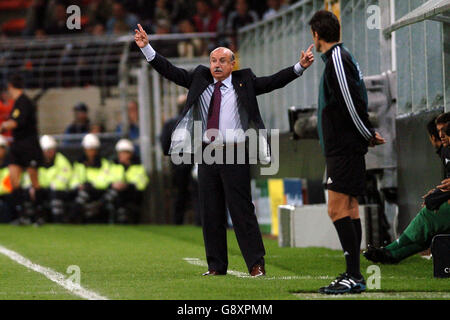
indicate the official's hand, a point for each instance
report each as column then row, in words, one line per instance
column 377, row 140
column 444, row 186
column 141, row 37
column 307, row 58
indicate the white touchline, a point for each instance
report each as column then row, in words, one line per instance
column 201, row 263
column 52, row 275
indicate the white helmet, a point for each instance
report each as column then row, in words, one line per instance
column 3, row 142
column 48, row 142
column 124, row 145
column 90, row 141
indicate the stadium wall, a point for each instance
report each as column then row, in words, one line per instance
column 55, row 108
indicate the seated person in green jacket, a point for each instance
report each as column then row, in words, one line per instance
column 90, row 181
column 428, row 223
column 5, row 184
column 127, row 184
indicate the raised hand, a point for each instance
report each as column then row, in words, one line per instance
column 307, row 58
column 140, row 37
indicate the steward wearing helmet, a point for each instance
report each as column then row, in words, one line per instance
column 5, row 183
column 54, row 178
column 128, row 181
column 90, row 181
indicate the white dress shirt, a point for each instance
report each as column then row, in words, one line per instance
column 230, row 126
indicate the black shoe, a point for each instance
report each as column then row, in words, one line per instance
column 345, row 284
column 379, row 255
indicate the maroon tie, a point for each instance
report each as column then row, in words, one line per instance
column 214, row 109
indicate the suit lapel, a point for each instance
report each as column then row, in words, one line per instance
column 197, row 88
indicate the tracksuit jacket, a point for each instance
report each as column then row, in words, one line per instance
column 343, row 119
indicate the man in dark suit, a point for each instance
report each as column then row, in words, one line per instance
column 224, row 104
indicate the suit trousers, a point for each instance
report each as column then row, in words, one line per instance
column 223, row 186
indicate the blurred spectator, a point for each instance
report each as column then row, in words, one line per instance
column 81, row 122
column 206, row 17
column 162, row 11
column 181, row 10
column 166, row 48
column 192, row 47
column 144, row 9
column 133, row 122
column 98, row 14
column 37, row 14
column 98, row 30
column 97, row 127
column 274, row 8
column 121, row 21
column 57, row 24
column 241, row 16
column 223, row 6
column 6, row 104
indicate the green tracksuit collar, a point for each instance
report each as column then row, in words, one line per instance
column 325, row 56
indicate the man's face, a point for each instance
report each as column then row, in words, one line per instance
column 81, row 116
column 241, row 7
column 133, row 112
column 118, row 11
column 221, row 64
column 91, row 153
column 202, row 8
column 125, row 157
column 317, row 44
column 441, row 130
column 49, row 155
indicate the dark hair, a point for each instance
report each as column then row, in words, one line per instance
column 327, row 26
column 443, row 118
column 16, row 81
column 431, row 128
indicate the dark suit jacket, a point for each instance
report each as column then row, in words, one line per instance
column 246, row 84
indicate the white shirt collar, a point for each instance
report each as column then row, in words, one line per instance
column 227, row 82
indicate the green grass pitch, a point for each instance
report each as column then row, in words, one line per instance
column 149, row 262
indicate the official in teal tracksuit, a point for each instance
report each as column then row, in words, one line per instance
column 345, row 134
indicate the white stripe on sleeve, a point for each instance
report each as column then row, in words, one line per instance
column 337, row 61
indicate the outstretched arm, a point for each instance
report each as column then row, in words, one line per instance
column 180, row 76
column 283, row 77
